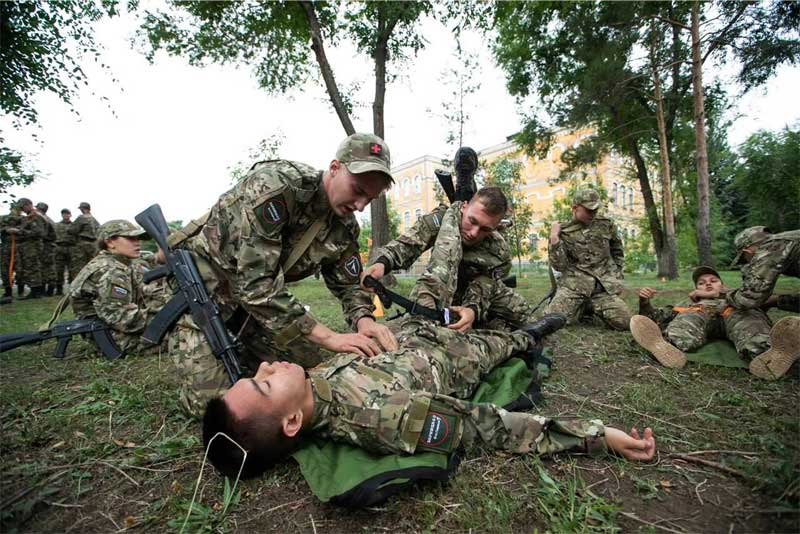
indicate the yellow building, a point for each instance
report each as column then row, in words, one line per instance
column 414, row 191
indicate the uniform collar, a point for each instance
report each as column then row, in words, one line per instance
column 323, row 395
column 320, row 206
column 120, row 258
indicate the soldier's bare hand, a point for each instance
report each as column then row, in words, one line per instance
column 380, row 333
column 467, row 317
column 646, row 293
column 631, row 446
column 376, row 271
column 554, row 231
column 357, row 343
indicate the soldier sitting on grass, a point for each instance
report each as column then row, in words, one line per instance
column 400, row 402
column 706, row 315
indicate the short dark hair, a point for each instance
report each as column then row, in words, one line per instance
column 261, row 437
column 493, row 199
column 65, row 210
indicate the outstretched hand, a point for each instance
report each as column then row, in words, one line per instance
column 376, row 271
column 631, row 446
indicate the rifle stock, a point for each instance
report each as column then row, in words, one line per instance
column 63, row 332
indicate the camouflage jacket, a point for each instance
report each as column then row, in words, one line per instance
column 111, row 288
column 84, row 227
column 63, row 236
column 50, row 229
column 251, row 231
column 381, row 403
column 9, row 221
column 780, row 254
column 665, row 314
column 586, row 254
column 480, row 264
column 34, row 227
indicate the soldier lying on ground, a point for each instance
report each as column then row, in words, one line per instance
column 401, row 402
column 282, row 223
column 707, row 315
column 111, row 288
column 588, row 253
column 480, row 258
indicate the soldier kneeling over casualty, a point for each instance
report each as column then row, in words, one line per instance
column 689, row 325
column 111, row 287
column 400, row 402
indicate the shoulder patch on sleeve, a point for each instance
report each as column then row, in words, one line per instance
column 119, row 292
column 433, row 220
column 352, row 265
column 272, row 213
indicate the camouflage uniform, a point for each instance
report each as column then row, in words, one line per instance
column 777, row 254
column 690, row 325
column 29, row 244
column 478, row 269
column 11, row 220
column 84, row 230
column 410, row 400
column 590, row 259
column 65, row 243
column 49, row 253
column 240, row 249
column 111, row 288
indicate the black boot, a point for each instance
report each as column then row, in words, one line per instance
column 466, row 164
column 6, row 298
column 36, row 292
column 50, row 289
column 545, row 326
column 20, row 290
column 59, row 289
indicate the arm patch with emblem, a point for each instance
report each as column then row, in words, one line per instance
column 352, row 265
column 272, row 213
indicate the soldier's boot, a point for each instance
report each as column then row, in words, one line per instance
column 6, row 298
column 59, row 289
column 36, row 292
column 784, row 340
column 466, row 164
column 648, row 335
column 20, row 290
column 46, row 290
column 51, row 289
column 545, row 326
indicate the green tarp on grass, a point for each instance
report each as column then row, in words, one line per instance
column 720, row 352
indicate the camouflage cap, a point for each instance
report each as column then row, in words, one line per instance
column 364, row 153
column 119, row 227
column 587, row 197
column 747, row 238
column 703, row 269
column 84, row 205
column 42, row 206
column 23, row 201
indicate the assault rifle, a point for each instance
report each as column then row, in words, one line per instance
column 63, row 332
column 443, row 316
column 190, row 295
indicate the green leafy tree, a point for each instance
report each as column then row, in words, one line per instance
column 265, row 150
column 394, row 229
column 506, row 173
column 274, row 37
column 41, row 44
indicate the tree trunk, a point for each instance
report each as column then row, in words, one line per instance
column 670, row 253
column 701, row 153
column 325, row 68
column 378, row 209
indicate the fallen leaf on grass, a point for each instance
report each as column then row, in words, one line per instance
column 80, row 434
column 665, row 484
column 176, row 487
column 57, row 445
column 126, row 444
column 129, row 521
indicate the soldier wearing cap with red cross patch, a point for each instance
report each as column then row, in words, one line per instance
column 284, row 222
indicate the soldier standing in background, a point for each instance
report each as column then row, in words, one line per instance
column 84, row 230
column 65, row 243
column 48, row 251
column 588, row 253
column 29, row 244
column 8, row 251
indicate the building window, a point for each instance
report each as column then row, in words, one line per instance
column 417, row 214
column 406, row 219
column 614, row 192
column 417, row 184
column 406, row 187
column 630, row 198
column 533, row 240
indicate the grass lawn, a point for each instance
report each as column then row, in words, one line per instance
column 94, row 446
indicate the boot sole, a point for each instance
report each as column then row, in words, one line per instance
column 784, row 350
column 648, row 335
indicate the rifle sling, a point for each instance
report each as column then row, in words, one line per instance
column 303, row 244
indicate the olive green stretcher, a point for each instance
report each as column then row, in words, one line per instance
column 349, row 476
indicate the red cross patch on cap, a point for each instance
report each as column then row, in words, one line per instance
column 375, row 148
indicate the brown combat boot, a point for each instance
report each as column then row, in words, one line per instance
column 648, row 335
column 784, row 340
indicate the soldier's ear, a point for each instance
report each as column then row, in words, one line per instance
column 292, row 423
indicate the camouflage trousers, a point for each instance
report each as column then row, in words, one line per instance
column 64, row 264
column 30, row 259
column 5, row 262
column 439, row 285
column 202, row 376
column 49, row 263
column 465, row 359
column 83, row 251
column 610, row 308
column 747, row 329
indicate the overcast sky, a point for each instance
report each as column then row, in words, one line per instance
column 168, row 132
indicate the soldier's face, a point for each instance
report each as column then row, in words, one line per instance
column 582, row 214
column 476, row 223
column 278, row 388
column 709, row 282
column 349, row 192
column 130, row 247
column 65, row 217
